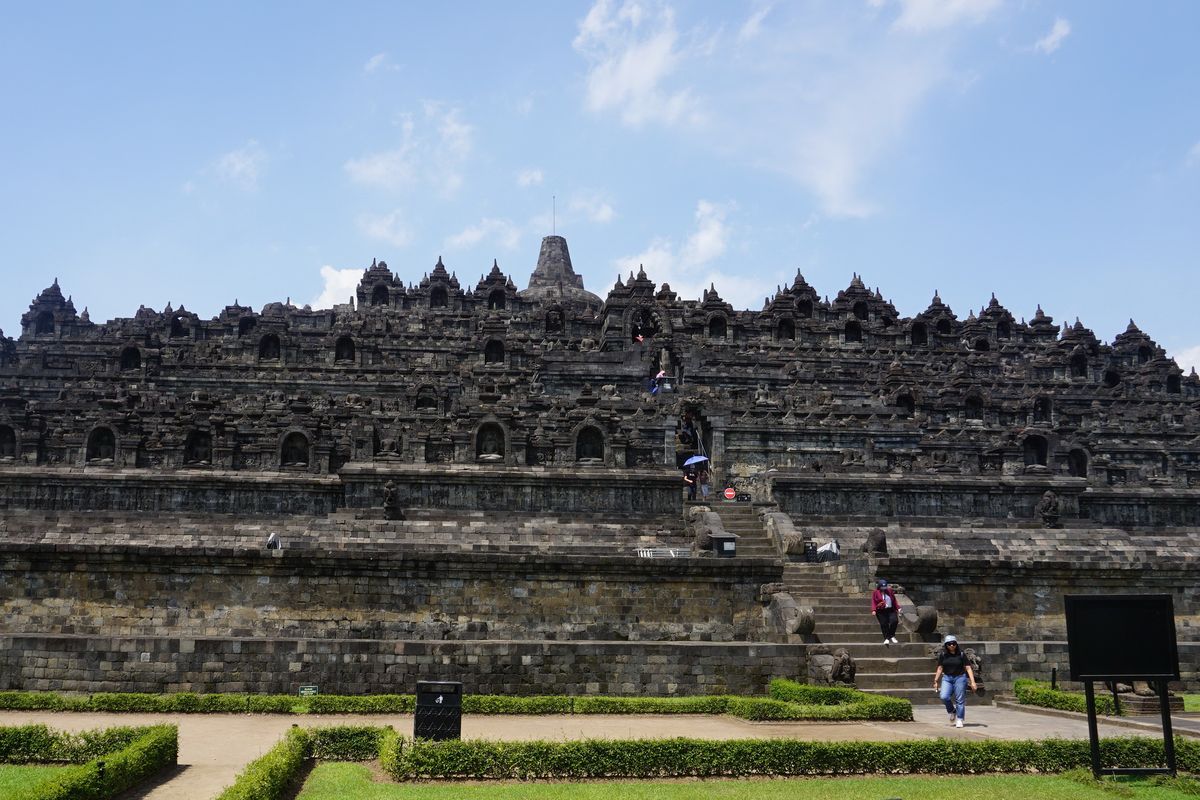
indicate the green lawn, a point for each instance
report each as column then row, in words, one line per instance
column 1191, row 702
column 14, row 777
column 335, row 781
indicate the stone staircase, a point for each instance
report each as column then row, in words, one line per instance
column 741, row 519
column 843, row 617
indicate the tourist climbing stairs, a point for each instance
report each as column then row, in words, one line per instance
column 843, row 619
column 742, row 520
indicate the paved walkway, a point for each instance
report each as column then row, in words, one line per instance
column 213, row 748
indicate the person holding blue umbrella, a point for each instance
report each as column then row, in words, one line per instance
column 690, row 476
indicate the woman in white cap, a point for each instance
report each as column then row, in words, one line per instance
column 954, row 673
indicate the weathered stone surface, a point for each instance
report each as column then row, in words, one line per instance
column 529, row 444
column 339, row 666
column 124, row 591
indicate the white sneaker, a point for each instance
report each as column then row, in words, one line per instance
column 953, row 718
column 958, row 723
column 893, row 640
column 887, row 641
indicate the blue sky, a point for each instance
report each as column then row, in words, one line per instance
column 204, row 152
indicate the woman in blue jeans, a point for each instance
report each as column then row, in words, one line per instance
column 955, row 675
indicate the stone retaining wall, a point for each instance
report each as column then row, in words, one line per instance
column 472, row 487
column 377, row 594
column 1004, row 662
column 963, row 497
column 1000, row 600
column 350, row 666
column 579, row 489
column 212, row 491
column 264, row 665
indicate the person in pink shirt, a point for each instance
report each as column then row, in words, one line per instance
column 886, row 610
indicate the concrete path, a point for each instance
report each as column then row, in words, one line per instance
column 213, row 748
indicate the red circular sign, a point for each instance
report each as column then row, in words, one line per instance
column 730, row 493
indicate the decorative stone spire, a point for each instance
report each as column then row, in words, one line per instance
column 555, row 278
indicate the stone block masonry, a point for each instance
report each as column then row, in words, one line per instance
column 353, row 666
column 67, row 663
column 388, row 595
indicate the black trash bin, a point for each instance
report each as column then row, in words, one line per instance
column 724, row 544
column 439, row 710
column 810, row 551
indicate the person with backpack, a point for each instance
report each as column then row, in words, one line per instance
column 886, row 610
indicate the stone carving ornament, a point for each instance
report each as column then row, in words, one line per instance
column 1047, row 508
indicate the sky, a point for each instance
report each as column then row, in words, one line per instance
column 198, row 153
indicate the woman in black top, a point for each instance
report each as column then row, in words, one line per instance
column 955, row 674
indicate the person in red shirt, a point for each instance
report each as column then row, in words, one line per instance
column 886, row 610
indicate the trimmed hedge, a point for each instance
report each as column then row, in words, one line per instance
column 839, row 703
column 390, row 747
column 133, row 702
column 38, row 744
column 501, row 704
column 150, row 750
column 664, row 758
column 1036, row 693
column 346, row 742
column 788, row 701
column 270, row 777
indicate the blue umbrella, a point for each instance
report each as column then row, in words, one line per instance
column 695, row 460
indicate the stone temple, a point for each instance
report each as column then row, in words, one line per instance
column 453, row 480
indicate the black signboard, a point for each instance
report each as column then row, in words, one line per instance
column 1121, row 637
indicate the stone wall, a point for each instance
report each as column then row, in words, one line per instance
column 269, row 665
column 144, row 591
column 1004, row 662
column 581, row 489
column 601, row 491
column 100, row 489
column 952, row 498
column 351, row 666
column 1024, row 601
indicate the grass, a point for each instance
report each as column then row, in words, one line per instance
column 1191, row 702
column 14, row 777
column 333, row 781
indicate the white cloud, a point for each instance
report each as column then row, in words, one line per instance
column 340, row 286
column 388, row 169
column 452, row 148
column 1193, row 156
column 433, row 153
column 243, row 166
column 1054, row 39
column 390, row 228
column 823, row 94
column 1189, row 358
column 632, row 51
column 529, row 177
column 707, row 242
column 593, row 207
column 690, row 268
column 751, row 27
column 499, row 231
column 379, row 61
column 923, row 16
